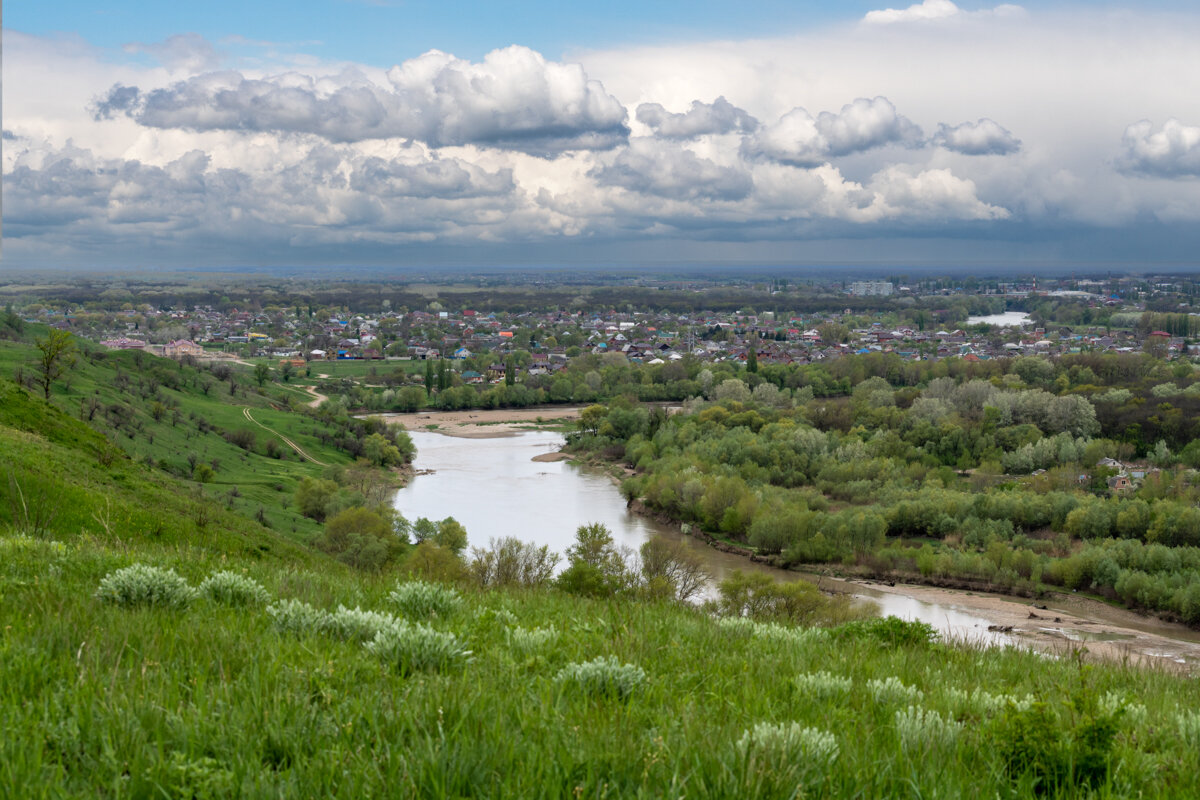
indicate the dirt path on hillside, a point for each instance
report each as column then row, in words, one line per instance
column 286, row 440
column 483, row 423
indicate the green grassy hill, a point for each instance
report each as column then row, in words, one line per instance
column 175, row 417
column 241, row 674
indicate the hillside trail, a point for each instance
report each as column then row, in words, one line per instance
column 286, row 440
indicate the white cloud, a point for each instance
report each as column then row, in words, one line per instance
column 514, row 99
column 933, row 10
column 701, row 119
column 981, row 138
column 1172, row 151
column 800, row 140
column 668, row 170
column 183, row 51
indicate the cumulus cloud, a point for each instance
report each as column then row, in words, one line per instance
column 982, row 138
column 932, row 10
column 185, row 51
column 934, row 194
column 667, row 170
column 514, row 99
column 720, row 116
column 801, row 140
column 329, row 193
column 1172, row 151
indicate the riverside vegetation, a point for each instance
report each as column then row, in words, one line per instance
column 1015, row 475
column 145, row 655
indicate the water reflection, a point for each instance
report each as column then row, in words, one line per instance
column 495, row 489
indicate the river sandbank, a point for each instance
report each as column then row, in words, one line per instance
column 483, row 423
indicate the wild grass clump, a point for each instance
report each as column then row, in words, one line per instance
column 531, row 642
column 822, row 685
column 604, row 677
column 145, row 585
column 773, row 631
column 423, row 600
column 923, row 729
column 297, row 617
column 232, row 589
column 410, row 648
column 893, row 691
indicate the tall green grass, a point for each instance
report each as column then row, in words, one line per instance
column 213, row 700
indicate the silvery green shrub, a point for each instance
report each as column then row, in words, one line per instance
column 144, row 585
column 921, row 729
column 231, row 589
column 298, row 617
column 823, row 685
column 422, row 600
column 410, row 647
column 356, row 624
column 528, row 642
column 602, row 677
column 780, row 745
column 893, row 690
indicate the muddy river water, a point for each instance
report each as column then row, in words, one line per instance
column 495, row 489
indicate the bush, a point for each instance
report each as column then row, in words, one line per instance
column 415, row 648
column 511, row 562
column 298, row 617
column 356, row 624
column 778, row 746
column 421, row 600
column 144, row 585
column 923, row 729
column 889, row 631
column 603, row 677
column 529, row 642
column 232, row 589
column 822, row 685
column 892, row 690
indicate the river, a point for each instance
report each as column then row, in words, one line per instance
column 495, row 489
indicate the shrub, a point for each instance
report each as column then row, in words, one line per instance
column 889, row 631
column 528, row 642
column 602, row 677
column 892, row 690
column 921, row 729
column 356, row 624
column 232, row 589
column 822, row 685
column 983, row 703
column 144, row 585
column 780, row 745
column 415, row 647
column 298, row 617
column 421, row 600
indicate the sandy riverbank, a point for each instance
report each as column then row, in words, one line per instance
column 1066, row 624
column 481, row 423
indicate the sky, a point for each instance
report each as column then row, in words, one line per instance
column 356, row 133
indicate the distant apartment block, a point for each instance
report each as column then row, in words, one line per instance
column 871, row 288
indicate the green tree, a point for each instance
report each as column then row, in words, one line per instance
column 261, row 373
column 752, row 356
column 313, row 497
column 429, row 377
column 56, row 353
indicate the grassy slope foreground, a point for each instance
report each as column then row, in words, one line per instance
column 211, row 698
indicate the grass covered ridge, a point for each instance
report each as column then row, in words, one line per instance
column 523, row 693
